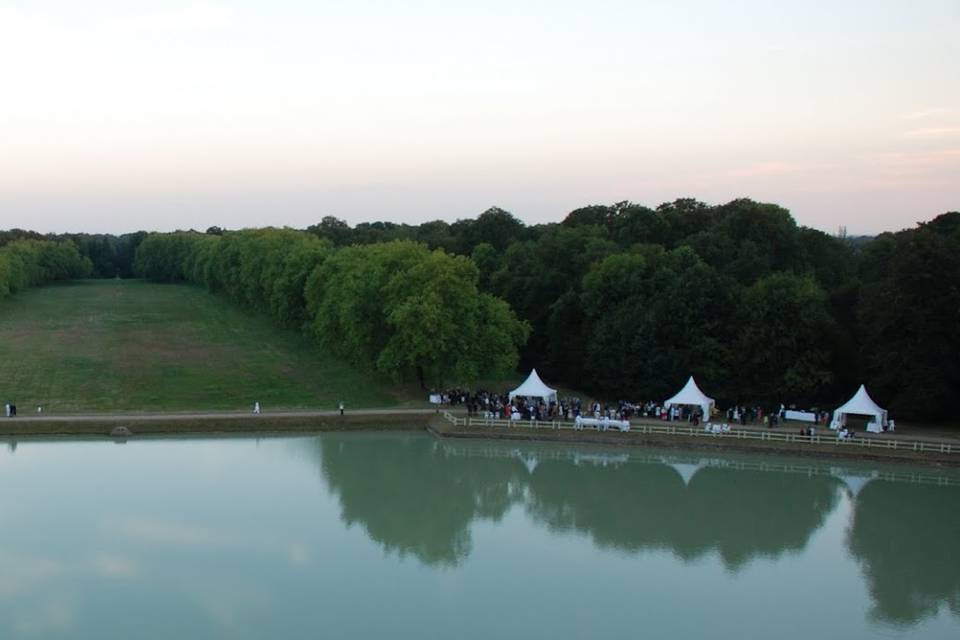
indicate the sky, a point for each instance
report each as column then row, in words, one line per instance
column 127, row 115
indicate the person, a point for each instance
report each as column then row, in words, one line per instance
column 13, row 410
column 8, row 409
column 341, row 407
column 256, row 407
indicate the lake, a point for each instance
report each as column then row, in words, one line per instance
column 375, row 535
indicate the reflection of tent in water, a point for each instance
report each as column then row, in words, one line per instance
column 686, row 470
column 855, row 481
column 528, row 459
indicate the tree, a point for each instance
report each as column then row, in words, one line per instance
column 333, row 229
column 908, row 318
column 487, row 260
column 494, row 226
column 654, row 317
column 782, row 353
column 596, row 215
column 410, row 312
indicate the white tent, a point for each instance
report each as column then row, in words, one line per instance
column 691, row 395
column 861, row 404
column 533, row 387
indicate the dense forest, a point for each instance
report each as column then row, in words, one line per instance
column 623, row 301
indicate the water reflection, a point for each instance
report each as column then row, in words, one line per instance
column 419, row 497
column 905, row 537
column 224, row 538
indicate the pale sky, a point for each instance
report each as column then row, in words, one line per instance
column 126, row 115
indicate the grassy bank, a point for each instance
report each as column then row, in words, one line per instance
column 125, row 345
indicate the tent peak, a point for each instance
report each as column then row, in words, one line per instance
column 534, row 387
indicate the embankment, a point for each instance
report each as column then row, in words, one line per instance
column 214, row 423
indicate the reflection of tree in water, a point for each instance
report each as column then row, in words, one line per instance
column 740, row 514
column 905, row 537
column 748, row 514
column 414, row 497
column 630, row 506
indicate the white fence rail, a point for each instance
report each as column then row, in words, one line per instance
column 868, row 442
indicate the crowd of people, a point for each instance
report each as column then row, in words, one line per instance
column 486, row 404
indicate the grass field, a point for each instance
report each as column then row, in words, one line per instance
column 126, row 345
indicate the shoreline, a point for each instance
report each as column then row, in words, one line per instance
column 213, row 424
column 442, row 428
column 148, row 425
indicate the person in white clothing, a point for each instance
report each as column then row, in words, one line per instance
column 256, row 407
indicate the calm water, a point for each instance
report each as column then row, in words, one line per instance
column 383, row 535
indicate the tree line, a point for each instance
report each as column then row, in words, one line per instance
column 622, row 301
column 626, row 301
column 110, row 256
column 28, row 263
column 396, row 307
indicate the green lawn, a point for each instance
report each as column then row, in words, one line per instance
column 126, row 345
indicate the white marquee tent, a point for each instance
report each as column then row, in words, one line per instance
column 691, row 395
column 861, row 404
column 533, row 387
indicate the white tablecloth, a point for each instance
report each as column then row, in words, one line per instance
column 602, row 423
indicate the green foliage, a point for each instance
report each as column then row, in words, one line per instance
column 333, row 229
column 487, row 260
column 909, row 316
column 535, row 274
column 31, row 263
column 655, row 317
column 412, row 312
column 494, row 226
column 781, row 352
column 619, row 299
column 395, row 307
